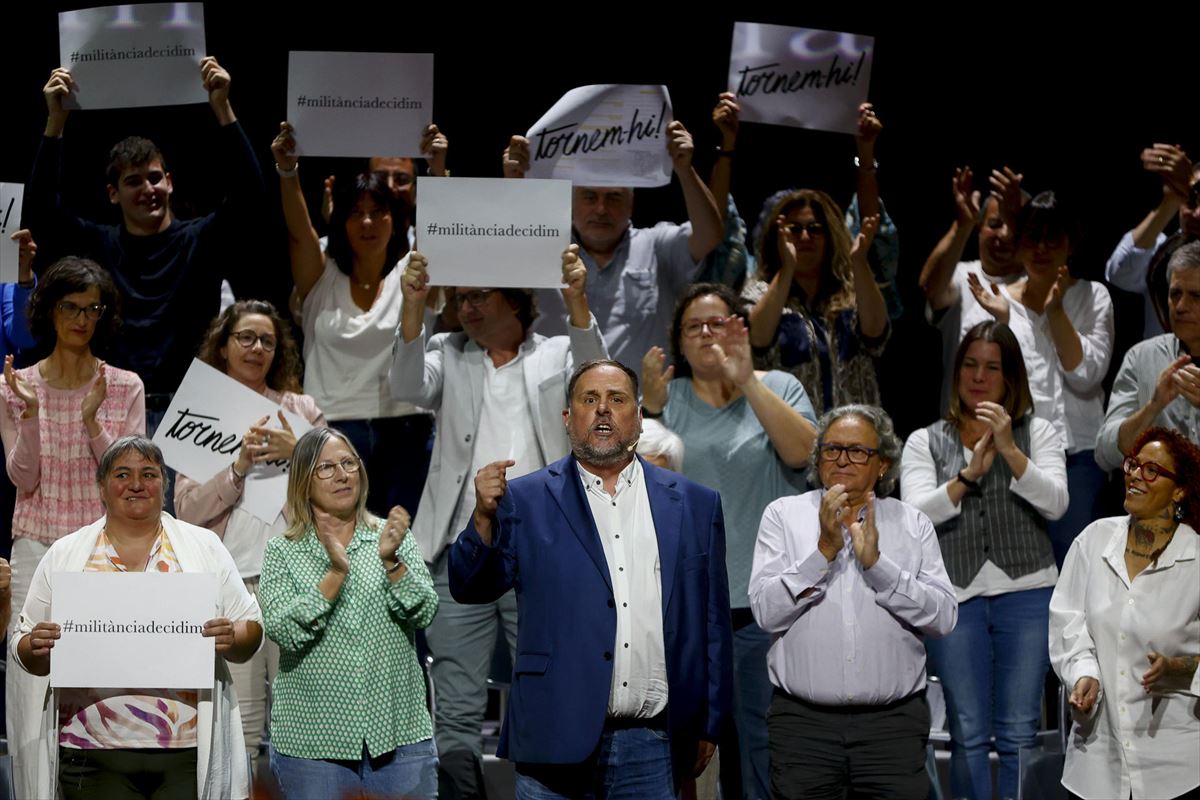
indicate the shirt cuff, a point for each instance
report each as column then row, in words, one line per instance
column 406, row 590
column 807, row 574
column 883, row 576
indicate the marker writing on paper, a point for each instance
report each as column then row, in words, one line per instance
column 7, row 214
column 563, row 140
column 765, row 80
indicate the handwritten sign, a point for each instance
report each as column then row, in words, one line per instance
column 11, row 195
column 131, row 56
column 203, row 428
column 604, row 135
column 494, row 231
column 133, row 629
column 360, row 104
column 801, row 77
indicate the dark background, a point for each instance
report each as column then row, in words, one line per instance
column 1068, row 101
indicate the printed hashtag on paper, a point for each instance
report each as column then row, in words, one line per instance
column 431, row 229
column 68, row 626
column 300, row 100
column 75, row 57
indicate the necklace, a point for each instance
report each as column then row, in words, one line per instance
column 1140, row 554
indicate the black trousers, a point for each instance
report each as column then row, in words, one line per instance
column 848, row 751
column 127, row 774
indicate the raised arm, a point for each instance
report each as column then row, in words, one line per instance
column 782, row 587
column 16, row 299
column 295, row 615
column 483, row 559
column 707, row 227
column 304, row 246
column 21, row 431
column 936, row 275
column 1171, row 164
column 872, row 308
column 768, row 309
column 1128, row 417
column 869, row 128
column 725, row 118
column 416, row 372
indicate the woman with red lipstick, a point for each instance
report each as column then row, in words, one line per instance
column 989, row 476
column 63, row 412
column 1125, row 633
column 252, row 344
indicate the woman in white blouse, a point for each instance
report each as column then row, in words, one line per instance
column 989, row 476
column 1125, row 633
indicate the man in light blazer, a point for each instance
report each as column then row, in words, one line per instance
column 497, row 389
column 623, row 673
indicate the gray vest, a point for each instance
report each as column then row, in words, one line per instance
column 992, row 525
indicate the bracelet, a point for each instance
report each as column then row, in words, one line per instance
column 967, row 482
column 29, row 284
column 390, row 570
column 651, row 414
column 723, row 153
column 241, row 476
column 288, row 173
column 874, row 164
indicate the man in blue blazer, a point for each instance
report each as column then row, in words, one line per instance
column 624, row 670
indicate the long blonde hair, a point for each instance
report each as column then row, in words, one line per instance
column 300, row 477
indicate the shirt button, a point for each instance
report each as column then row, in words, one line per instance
column 1122, row 672
column 624, row 683
column 467, row 438
column 849, row 658
column 627, row 645
column 624, row 605
column 620, row 569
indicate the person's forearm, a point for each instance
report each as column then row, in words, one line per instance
column 872, row 308
column 580, row 315
column 1016, row 460
column 765, row 314
column 304, row 246
column 721, row 178
column 412, row 320
column 1136, row 424
column 707, row 228
column 1066, row 339
column 938, row 271
column 224, row 112
column 1147, row 231
column 55, row 124
column 868, row 181
column 331, row 585
column 790, row 433
column 247, row 636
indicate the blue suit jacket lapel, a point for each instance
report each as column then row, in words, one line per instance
column 566, row 487
column 666, row 508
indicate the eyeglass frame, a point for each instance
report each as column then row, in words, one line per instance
column 1140, row 466
column 841, row 449
column 813, row 229
column 259, row 338
column 715, row 325
column 94, row 316
column 482, row 296
column 332, row 466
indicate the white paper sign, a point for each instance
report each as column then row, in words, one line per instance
column 801, row 77
column 360, row 104
column 133, row 629
column 494, row 231
column 134, row 55
column 604, row 135
column 11, row 195
column 203, row 428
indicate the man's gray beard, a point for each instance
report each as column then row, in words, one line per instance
column 589, row 455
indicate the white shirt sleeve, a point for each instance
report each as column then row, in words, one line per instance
column 1044, row 483
column 1127, row 266
column 918, row 480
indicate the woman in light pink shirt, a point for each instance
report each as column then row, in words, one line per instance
column 64, row 411
column 252, row 344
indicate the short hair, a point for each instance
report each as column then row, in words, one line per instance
column 658, row 440
column 525, row 303
column 587, row 366
column 346, row 195
column 737, row 307
column 132, row 151
column 991, row 198
column 1187, row 467
column 1017, row 401
column 890, row 446
column 1046, row 217
column 71, row 275
column 286, row 368
column 301, row 472
column 836, row 292
column 1185, row 257
column 148, row 450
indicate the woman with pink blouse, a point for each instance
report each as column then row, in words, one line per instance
column 64, row 412
column 252, row 344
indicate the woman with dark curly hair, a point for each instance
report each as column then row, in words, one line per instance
column 64, row 411
column 252, row 344
column 1125, row 632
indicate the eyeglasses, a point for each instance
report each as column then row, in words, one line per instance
column 855, row 453
column 693, row 327
column 1150, row 471
column 71, row 311
column 475, row 299
column 325, row 469
column 813, row 229
column 248, row 339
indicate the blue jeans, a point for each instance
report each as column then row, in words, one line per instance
column 395, row 452
column 409, row 771
column 993, row 670
column 1085, row 485
column 630, row 764
column 752, row 693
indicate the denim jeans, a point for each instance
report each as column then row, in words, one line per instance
column 993, row 669
column 408, row 771
column 630, row 764
column 752, row 693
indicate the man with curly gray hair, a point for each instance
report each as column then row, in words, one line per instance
column 849, row 584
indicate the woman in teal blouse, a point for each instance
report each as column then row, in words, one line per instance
column 343, row 594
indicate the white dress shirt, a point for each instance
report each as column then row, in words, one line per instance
column 1103, row 625
column 856, row 637
column 626, row 528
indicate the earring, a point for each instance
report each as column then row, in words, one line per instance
column 1178, row 513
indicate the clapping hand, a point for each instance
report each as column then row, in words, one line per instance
column 24, row 392
column 992, row 300
column 864, row 536
column 733, row 351
column 655, row 378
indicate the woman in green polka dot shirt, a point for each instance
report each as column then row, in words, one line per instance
column 343, row 595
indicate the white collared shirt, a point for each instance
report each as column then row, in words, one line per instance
column 1103, row 625
column 626, row 527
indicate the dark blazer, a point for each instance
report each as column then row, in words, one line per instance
column 546, row 546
